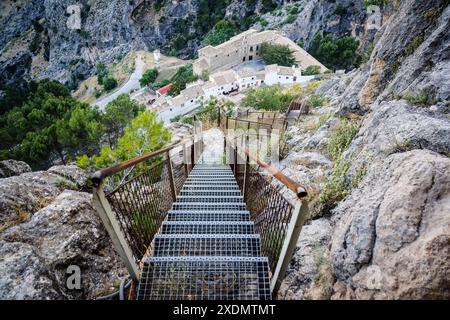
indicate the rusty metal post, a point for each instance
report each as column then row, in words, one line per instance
column 171, row 178
column 112, row 226
column 299, row 216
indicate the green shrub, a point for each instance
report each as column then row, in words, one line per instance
column 109, row 83
column 311, row 70
column 267, row 98
column 340, row 138
column 183, row 76
column 413, row 45
column 162, row 83
column 102, row 72
column 148, row 77
column 316, row 101
column 423, row 98
column 336, row 187
column 338, row 54
column 340, row 10
column 263, row 22
column 290, row 19
column 379, row 3
column 277, row 54
column 222, row 31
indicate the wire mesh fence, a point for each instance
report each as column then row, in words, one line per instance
column 269, row 210
column 146, row 191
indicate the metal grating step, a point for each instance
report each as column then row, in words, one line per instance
column 236, row 245
column 221, row 206
column 204, row 278
column 202, row 215
column 210, row 199
column 211, row 183
column 211, row 178
column 229, row 187
column 207, row 227
column 207, row 192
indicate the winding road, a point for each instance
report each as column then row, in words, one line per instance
column 127, row 87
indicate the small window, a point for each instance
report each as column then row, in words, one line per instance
column 243, row 59
column 251, row 48
column 250, row 58
column 287, row 78
column 257, row 47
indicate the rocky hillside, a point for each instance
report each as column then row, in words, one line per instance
column 48, row 224
column 387, row 235
column 51, row 38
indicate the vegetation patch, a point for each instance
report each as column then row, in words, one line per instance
column 222, row 31
column 183, row 76
column 277, row 54
column 336, row 188
column 311, row 70
column 268, row 98
column 148, row 77
column 335, row 54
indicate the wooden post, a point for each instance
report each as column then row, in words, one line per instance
column 299, row 216
column 111, row 224
column 172, row 180
column 218, row 119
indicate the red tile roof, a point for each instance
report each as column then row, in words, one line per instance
column 164, row 90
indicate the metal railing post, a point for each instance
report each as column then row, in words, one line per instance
column 218, row 119
column 111, row 224
column 185, row 159
column 299, row 216
column 171, row 178
column 235, row 162
column 244, row 185
column 193, row 153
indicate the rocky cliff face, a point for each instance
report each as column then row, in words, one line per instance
column 389, row 237
column 47, row 226
column 64, row 40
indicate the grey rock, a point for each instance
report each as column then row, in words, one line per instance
column 67, row 232
column 333, row 88
column 308, row 275
column 23, row 275
column 392, row 235
column 395, row 126
column 73, row 173
column 21, row 196
column 10, row 168
column 395, row 58
column 429, row 66
column 350, row 99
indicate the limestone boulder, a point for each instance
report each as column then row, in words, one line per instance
column 392, row 234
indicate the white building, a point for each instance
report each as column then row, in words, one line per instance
column 246, row 46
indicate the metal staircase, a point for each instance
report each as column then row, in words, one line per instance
column 201, row 219
column 207, row 248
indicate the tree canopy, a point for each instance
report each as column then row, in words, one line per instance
column 48, row 124
column 222, row 31
column 144, row 134
column 277, row 54
column 335, row 54
column 148, row 77
column 117, row 115
column 267, row 98
column 183, row 76
column 311, row 70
